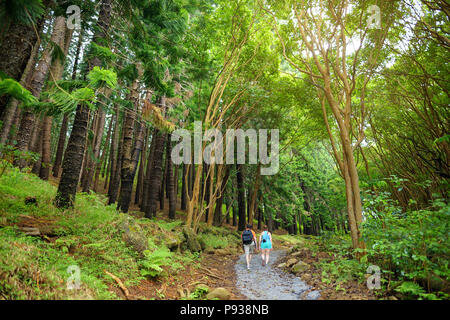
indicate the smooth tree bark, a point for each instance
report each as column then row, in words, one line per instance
column 183, row 188
column 254, row 193
column 219, row 202
column 241, row 196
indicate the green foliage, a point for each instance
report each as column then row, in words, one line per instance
column 169, row 225
column 33, row 268
column 411, row 246
column 21, row 11
column 99, row 77
column 104, row 53
column 14, row 89
column 10, row 153
column 68, row 101
column 199, row 293
column 213, row 241
column 152, row 264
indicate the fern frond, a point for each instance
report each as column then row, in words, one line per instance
column 99, row 77
column 14, row 89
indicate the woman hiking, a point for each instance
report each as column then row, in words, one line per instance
column 265, row 241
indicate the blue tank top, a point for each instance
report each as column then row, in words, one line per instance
column 267, row 244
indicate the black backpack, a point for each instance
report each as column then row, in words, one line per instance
column 247, row 237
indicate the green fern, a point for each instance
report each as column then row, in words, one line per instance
column 151, row 265
column 99, row 77
column 67, row 101
column 14, row 89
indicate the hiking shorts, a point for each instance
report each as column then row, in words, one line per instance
column 250, row 248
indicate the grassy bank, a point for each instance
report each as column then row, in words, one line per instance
column 92, row 238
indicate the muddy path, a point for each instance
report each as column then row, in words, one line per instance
column 269, row 282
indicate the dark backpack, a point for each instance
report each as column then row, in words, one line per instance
column 265, row 237
column 247, row 237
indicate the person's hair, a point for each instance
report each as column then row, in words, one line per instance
column 266, row 228
column 249, row 226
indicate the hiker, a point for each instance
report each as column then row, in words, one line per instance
column 265, row 241
column 249, row 243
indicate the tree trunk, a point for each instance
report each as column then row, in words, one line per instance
column 141, row 173
column 130, row 157
column 113, row 151
column 148, row 173
column 115, row 179
column 56, row 72
column 241, row 196
column 36, row 85
column 156, row 172
column 252, row 201
column 183, row 188
column 73, row 158
column 93, row 159
column 16, row 50
column 103, row 158
column 65, row 122
column 11, row 108
column 170, row 181
column 44, row 172
column 219, row 201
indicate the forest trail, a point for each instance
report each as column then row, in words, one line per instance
column 269, row 282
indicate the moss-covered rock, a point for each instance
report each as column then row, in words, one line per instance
column 191, row 240
column 300, row 267
column 219, row 293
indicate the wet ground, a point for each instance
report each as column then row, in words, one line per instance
column 268, row 282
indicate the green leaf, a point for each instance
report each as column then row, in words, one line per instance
column 99, row 78
column 13, row 88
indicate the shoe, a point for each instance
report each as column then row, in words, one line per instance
column 262, row 263
column 248, row 267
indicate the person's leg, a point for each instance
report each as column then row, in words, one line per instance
column 251, row 250
column 267, row 255
column 247, row 255
column 263, row 258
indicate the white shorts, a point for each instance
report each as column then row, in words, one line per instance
column 250, row 248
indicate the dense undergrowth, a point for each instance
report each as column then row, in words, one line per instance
column 408, row 250
column 411, row 249
column 92, row 238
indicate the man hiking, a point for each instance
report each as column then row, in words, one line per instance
column 265, row 241
column 249, row 243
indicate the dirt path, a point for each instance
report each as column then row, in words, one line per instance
column 268, row 282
